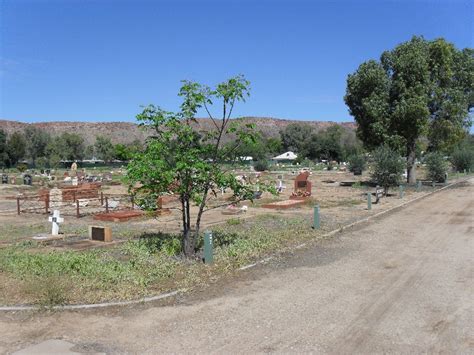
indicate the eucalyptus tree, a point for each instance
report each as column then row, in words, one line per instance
column 420, row 88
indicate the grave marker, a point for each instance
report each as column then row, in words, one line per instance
column 208, row 255
column 99, row 233
column 302, row 187
column 316, row 219
column 27, row 180
column 55, row 219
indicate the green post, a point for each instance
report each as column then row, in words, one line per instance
column 369, row 201
column 400, row 192
column 208, row 257
column 465, row 172
column 418, row 186
column 316, row 220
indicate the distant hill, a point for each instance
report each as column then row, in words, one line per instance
column 126, row 132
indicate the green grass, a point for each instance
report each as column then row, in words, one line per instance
column 141, row 266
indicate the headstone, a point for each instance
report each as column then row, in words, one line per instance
column 75, row 181
column 280, row 186
column 74, row 167
column 302, row 185
column 55, row 219
column 102, row 234
column 27, row 179
column 4, row 179
column 55, row 197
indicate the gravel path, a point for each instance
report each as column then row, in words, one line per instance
column 400, row 284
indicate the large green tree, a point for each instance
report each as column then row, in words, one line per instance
column 67, row 146
column 16, row 147
column 326, row 144
column 3, row 149
column 181, row 159
column 104, row 148
column 419, row 88
column 36, row 142
column 295, row 137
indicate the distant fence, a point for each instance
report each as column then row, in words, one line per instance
column 78, row 205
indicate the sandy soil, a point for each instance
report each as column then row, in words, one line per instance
column 400, row 284
column 339, row 205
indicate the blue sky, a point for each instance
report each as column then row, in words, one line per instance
column 100, row 60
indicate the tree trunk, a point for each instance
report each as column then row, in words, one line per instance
column 188, row 240
column 411, row 163
column 188, row 243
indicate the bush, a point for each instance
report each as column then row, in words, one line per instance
column 463, row 159
column 261, row 165
column 357, row 164
column 21, row 167
column 388, row 167
column 437, row 167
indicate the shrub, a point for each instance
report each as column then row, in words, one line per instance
column 437, row 167
column 21, row 167
column 463, row 159
column 388, row 167
column 357, row 164
column 261, row 165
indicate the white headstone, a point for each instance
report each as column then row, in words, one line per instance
column 55, row 220
column 74, row 181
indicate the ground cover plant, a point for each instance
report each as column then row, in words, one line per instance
column 142, row 266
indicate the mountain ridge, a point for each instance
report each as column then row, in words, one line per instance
column 126, row 132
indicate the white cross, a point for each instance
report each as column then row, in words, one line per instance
column 55, row 220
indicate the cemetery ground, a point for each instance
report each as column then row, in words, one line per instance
column 401, row 283
column 143, row 258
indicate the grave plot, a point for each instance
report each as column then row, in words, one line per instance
column 78, row 201
column 286, row 204
column 118, row 216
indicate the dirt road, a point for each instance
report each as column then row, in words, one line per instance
column 401, row 284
